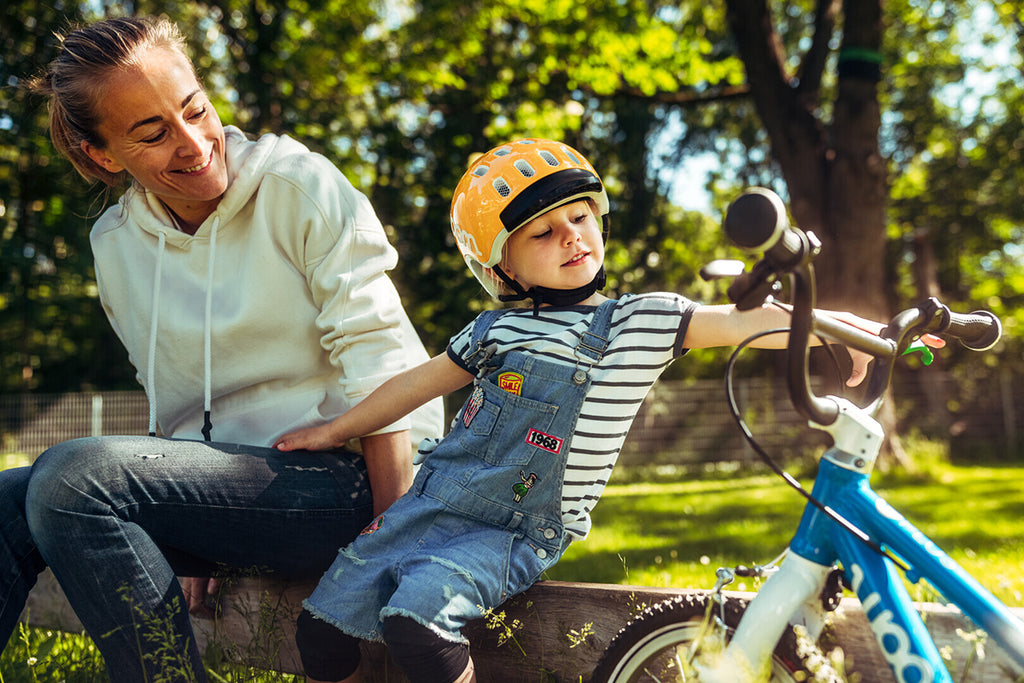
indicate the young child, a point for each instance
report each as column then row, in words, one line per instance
column 555, row 387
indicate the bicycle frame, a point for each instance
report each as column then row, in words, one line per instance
column 791, row 595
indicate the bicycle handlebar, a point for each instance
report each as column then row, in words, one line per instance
column 756, row 221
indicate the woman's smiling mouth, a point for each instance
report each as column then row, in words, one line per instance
column 198, row 167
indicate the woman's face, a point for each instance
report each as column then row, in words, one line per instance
column 160, row 127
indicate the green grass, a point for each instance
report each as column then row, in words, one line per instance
column 673, row 528
column 661, row 533
column 37, row 655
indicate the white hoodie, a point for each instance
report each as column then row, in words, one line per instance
column 277, row 314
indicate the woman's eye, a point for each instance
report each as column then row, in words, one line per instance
column 198, row 115
column 156, row 138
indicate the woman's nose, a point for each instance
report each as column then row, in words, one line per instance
column 189, row 141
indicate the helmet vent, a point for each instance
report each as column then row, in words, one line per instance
column 480, row 171
column 524, row 167
column 502, row 187
column 548, row 157
column 572, row 156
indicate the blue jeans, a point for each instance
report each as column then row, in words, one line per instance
column 117, row 519
column 20, row 562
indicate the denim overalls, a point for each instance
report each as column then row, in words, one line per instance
column 483, row 518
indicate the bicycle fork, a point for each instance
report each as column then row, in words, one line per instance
column 791, row 596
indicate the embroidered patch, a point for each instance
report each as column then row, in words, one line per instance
column 476, row 400
column 545, row 441
column 374, row 526
column 520, row 489
column 512, row 382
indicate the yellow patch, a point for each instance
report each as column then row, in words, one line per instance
column 512, row 382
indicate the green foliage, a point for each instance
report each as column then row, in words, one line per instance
column 956, row 144
column 51, row 326
column 402, row 95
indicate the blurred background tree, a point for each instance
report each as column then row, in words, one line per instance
column 893, row 129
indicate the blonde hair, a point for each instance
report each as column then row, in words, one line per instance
column 73, row 83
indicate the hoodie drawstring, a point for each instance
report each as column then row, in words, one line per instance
column 207, row 334
column 207, row 326
column 155, row 317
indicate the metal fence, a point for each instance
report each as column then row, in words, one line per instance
column 679, row 423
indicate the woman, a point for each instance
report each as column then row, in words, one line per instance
column 247, row 281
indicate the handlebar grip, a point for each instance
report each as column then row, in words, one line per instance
column 755, row 220
column 978, row 330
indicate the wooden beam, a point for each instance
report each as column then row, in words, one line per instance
column 556, row 631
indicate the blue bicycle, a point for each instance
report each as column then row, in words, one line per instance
column 848, row 534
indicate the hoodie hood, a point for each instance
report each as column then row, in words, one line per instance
column 247, row 163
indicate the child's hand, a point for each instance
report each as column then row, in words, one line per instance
column 320, row 438
column 861, row 359
column 860, row 367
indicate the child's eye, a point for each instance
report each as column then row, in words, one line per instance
column 580, row 218
column 542, row 235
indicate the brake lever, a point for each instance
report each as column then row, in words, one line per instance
column 722, row 268
column 747, row 290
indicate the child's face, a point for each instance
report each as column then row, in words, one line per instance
column 561, row 249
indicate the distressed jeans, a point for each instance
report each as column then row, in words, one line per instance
column 117, row 519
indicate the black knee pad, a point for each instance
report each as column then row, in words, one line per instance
column 424, row 656
column 327, row 654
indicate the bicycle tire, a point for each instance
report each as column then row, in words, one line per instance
column 646, row 650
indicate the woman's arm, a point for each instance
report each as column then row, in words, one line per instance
column 388, row 466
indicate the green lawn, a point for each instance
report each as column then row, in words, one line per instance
column 674, row 529
column 676, row 533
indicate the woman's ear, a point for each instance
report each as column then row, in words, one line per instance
column 101, row 157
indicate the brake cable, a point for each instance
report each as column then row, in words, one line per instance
column 858, row 533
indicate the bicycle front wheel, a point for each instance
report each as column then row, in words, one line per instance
column 662, row 644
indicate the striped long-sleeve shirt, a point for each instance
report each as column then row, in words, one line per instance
column 647, row 334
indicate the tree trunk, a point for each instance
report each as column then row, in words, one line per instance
column 834, row 171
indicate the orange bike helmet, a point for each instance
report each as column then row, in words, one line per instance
column 508, row 187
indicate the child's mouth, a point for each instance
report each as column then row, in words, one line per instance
column 578, row 258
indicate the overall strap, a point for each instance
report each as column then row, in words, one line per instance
column 594, row 341
column 480, row 354
column 483, row 323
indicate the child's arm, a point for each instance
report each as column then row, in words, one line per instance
column 391, row 401
column 724, row 325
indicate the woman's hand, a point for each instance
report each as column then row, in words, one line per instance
column 197, row 589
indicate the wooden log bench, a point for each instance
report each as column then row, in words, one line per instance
column 556, row 631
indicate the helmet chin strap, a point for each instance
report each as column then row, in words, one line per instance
column 547, row 295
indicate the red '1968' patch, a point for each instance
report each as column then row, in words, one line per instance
column 545, row 441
